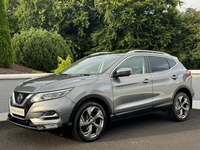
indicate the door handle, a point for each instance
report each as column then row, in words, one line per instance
column 174, row 77
column 146, row 81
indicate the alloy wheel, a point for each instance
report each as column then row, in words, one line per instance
column 91, row 122
column 182, row 107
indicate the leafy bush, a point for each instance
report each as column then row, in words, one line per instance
column 39, row 49
column 62, row 64
column 6, row 51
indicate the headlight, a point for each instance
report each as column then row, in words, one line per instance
column 49, row 95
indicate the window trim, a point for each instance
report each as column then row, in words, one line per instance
column 145, row 60
column 168, row 59
column 149, row 64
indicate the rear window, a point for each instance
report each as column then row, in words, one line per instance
column 171, row 62
column 158, row 64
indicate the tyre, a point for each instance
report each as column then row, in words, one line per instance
column 181, row 107
column 89, row 122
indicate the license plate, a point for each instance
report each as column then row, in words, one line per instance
column 17, row 111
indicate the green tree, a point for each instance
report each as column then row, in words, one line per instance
column 185, row 44
column 102, row 25
column 35, row 13
column 7, row 54
column 135, row 24
column 74, row 20
column 39, row 49
column 63, row 63
column 97, row 25
column 11, row 6
column 77, row 21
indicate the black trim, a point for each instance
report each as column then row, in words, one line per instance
column 130, row 114
column 163, row 108
column 28, row 125
column 169, row 61
column 150, row 67
column 84, row 99
column 22, row 123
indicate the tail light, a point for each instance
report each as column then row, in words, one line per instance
column 189, row 73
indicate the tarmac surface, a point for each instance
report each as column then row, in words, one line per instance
column 149, row 132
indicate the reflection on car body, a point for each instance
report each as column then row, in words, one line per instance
column 101, row 88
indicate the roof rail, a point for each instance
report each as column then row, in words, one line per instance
column 147, row 51
column 100, row 53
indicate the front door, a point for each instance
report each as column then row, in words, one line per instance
column 132, row 93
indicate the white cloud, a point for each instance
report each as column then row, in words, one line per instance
column 191, row 4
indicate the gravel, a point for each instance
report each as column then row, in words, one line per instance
column 16, row 69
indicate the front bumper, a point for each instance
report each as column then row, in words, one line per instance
column 35, row 126
column 44, row 115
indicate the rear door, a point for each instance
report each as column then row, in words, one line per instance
column 133, row 93
column 165, row 80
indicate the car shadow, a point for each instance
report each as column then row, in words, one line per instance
column 156, row 123
column 150, row 125
column 133, row 128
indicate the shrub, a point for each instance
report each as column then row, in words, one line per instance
column 6, row 51
column 39, row 49
column 62, row 64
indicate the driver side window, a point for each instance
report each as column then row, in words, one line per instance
column 136, row 63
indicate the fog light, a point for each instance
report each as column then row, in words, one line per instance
column 49, row 115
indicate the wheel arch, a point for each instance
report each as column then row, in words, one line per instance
column 95, row 98
column 186, row 91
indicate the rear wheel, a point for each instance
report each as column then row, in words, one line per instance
column 89, row 122
column 181, row 107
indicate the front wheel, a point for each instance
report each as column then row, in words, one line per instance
column 89, row 122
column 181, row 107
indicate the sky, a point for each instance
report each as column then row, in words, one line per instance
column 191, row 3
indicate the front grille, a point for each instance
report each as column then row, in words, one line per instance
column 20, row 97
column 25, row 102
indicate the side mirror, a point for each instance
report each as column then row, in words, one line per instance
column 123, row 72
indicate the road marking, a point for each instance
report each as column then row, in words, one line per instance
column 3, row 116
column 196, row 104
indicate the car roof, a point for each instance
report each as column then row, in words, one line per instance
column 147, row 52
column 150, row 52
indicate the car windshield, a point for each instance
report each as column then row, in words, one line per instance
column 91, row 65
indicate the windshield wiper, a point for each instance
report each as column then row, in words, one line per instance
column 85, row 74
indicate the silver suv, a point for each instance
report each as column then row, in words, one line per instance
column 101, row 88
